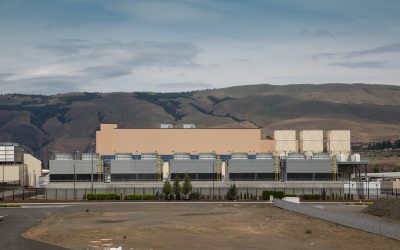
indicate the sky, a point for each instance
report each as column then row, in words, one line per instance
column 58, row 46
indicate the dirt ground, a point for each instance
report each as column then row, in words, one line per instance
column 199, row 226
column 386, row 208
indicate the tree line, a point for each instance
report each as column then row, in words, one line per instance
column 383, row 145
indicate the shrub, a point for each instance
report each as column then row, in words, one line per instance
column 311, row 197
column 102, row 196
column 195, row 195
column 275, row 194
column 141, row 197
column 10, row 205
column 290, row 195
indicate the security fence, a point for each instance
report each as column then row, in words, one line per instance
column 203, row 193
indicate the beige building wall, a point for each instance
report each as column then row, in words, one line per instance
column 338, row 142
column 285, row 141
column 111, row 140
column 11, row 173
column 312, row 141
column 33, row 169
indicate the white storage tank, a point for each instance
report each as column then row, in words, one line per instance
column 356, row 157
column 285, row 140
column 312, row 141
column 342, row 157
column 338, row 141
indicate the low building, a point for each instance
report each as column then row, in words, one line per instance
column 17, row 167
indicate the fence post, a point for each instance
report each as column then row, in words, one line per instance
column 56, row 194
column 36, row 192
column 14, row 189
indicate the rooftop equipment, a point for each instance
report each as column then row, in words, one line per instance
column 297, row 156
column 166, row 125
column 189, row 126
column 264, row 156
column 206, row 156
column 149, row 156
column 123, row 156
column 239, row 156
column 63, row 157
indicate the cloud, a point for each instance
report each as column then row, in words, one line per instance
column 42, row 85
column 241, row 60
column 389, row 48
column 366, row 64
column 84, row 61
column 317, row 33
column 65, row 46
column 5, row 75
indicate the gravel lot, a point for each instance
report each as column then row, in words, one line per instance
column 198, row 226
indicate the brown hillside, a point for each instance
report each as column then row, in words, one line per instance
column 68, row 122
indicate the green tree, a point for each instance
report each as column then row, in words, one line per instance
column 176, row 188
column 232, row 193
column 167, row 188
column 187, row 186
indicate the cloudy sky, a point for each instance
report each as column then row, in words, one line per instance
column 55, row 46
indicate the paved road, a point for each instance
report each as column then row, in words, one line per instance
column 18, row 221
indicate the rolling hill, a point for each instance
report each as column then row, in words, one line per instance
column 67, row 122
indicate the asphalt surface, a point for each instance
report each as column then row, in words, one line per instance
column 19, row 220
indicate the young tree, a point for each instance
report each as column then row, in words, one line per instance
column 187, row 186
column 232, row 193
column 167, row 189
column 176, row 188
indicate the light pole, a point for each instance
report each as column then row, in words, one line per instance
column 91, row 178
column 76, row 157
column 213, row 176
column 4, row 163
